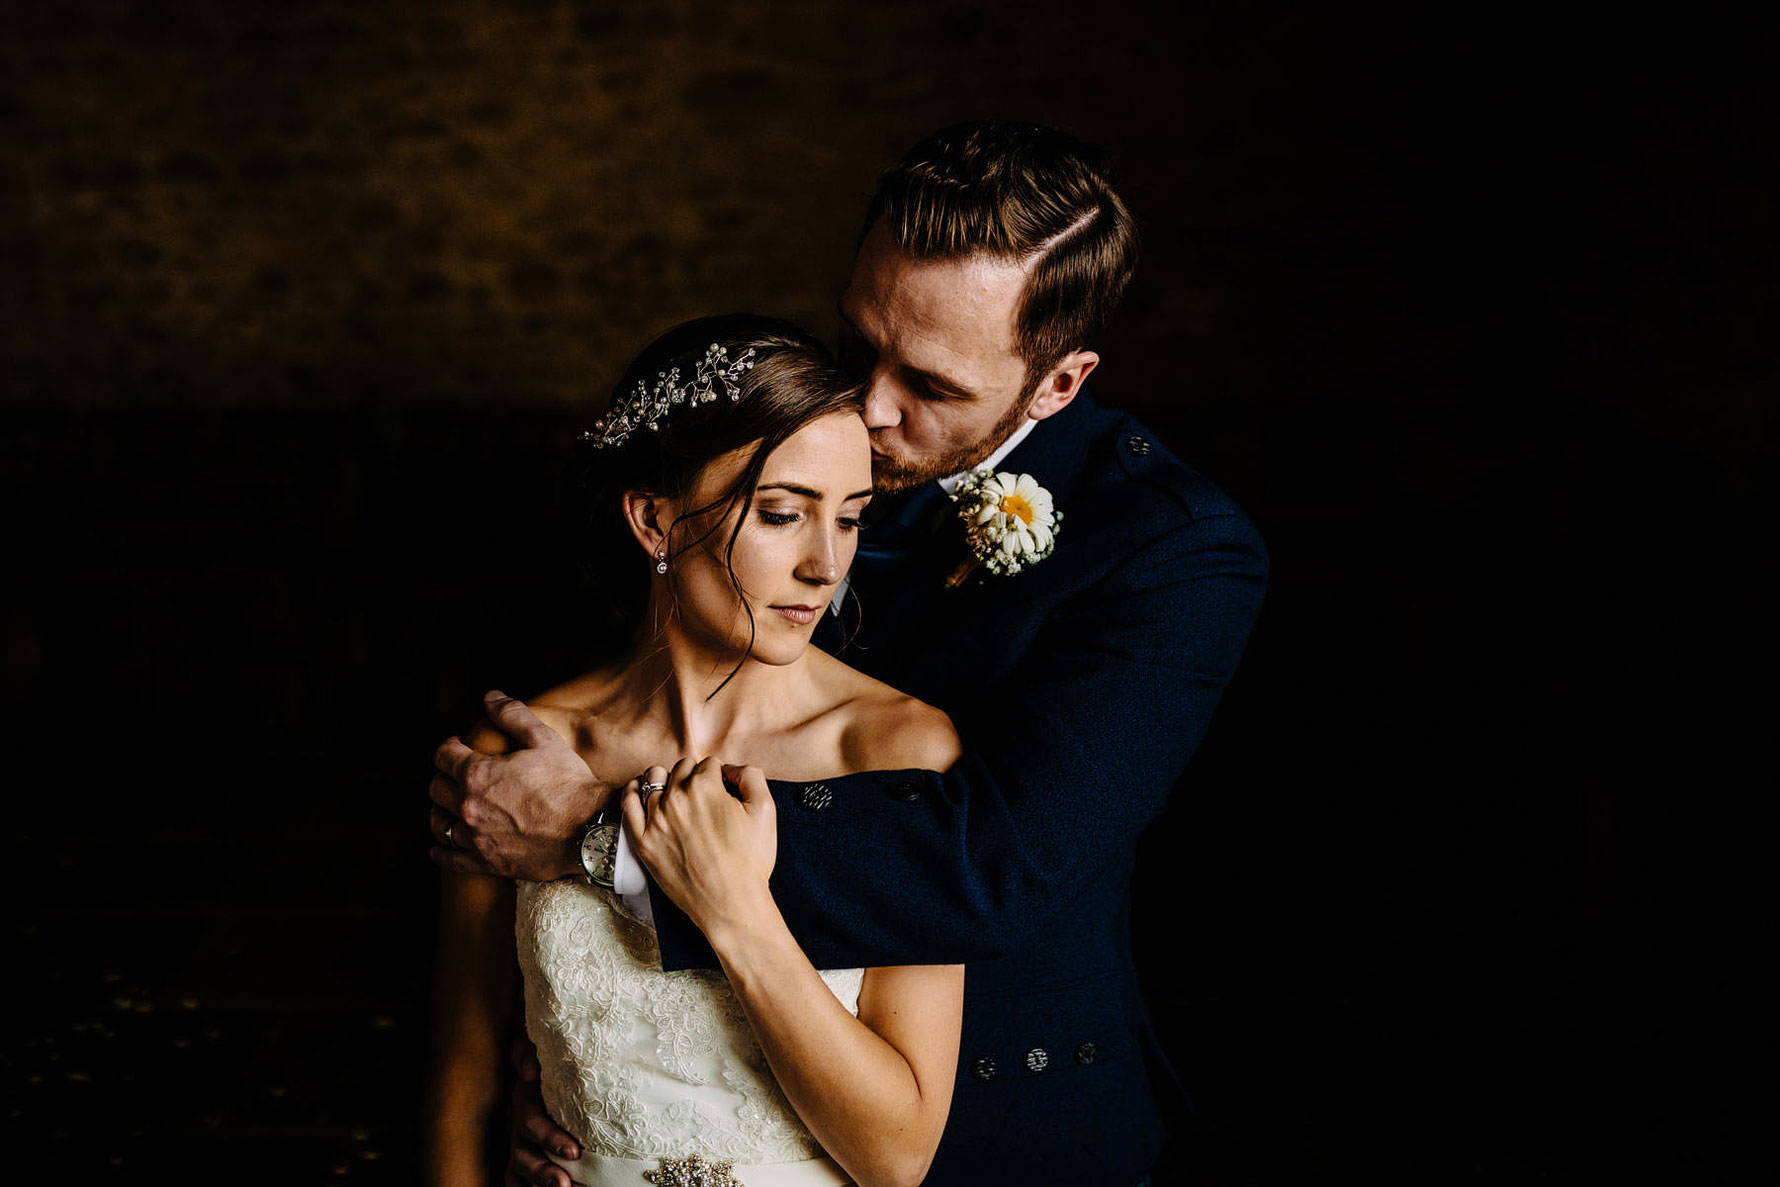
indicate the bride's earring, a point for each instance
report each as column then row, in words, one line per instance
column 661, row 560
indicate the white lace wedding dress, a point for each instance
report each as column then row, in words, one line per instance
column 643, row 1066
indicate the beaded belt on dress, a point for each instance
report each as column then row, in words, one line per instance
column 606, row 1170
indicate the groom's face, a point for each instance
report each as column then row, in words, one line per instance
column 935, row 339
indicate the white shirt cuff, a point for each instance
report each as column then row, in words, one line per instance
column 627, row 871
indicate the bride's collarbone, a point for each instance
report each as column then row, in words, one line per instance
column 618, row 742
column 814, row 750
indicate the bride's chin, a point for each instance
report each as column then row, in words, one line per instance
column 779, row 653
column 779, row 650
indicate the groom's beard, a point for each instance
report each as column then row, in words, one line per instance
column 891, row 474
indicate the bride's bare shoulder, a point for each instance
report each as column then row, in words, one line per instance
column 888, row 730
column 564, row 709
column 584, row 694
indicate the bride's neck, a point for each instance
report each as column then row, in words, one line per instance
column 690, row 694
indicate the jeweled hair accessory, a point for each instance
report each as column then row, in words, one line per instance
column 647, row 407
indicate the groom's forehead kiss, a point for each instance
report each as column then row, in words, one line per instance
column 992, row 255
column 936, row 341
column 935, row 338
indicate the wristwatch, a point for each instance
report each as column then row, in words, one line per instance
column 599, row 847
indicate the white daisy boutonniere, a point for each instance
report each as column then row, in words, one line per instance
column 1009, row 523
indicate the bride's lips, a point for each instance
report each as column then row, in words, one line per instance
column 801, row 615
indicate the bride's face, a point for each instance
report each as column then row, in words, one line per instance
column 795, row 544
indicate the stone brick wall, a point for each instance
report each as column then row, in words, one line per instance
column 322, row 203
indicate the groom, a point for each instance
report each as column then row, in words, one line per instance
column 992, row 256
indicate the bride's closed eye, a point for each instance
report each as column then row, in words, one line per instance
column 779, row 519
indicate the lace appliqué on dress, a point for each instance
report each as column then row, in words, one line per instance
column 639, row 1063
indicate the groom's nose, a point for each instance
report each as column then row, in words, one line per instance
column 883, row 401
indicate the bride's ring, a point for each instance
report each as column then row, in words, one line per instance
column 646, row 788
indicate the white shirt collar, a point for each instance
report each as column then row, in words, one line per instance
column 951, row 481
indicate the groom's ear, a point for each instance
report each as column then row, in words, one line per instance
column 1061, row 385
column 649, row 517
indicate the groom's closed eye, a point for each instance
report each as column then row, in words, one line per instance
column 927, row 387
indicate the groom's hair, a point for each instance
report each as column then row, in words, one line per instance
column 1025, row 193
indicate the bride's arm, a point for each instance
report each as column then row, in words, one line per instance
column 475, row 974
column 875, row 1089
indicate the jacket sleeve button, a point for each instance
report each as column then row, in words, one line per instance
column 1086, row 1053
column 1036, row 1059
column 815, row 797
column 983, row 1069
column 903, row 789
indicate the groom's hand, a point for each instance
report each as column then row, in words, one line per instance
column 533, row 1130
column 516, row 814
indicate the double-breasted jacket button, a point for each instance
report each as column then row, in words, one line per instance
column 1137, row 445
column 1086, row 1053
column 983, row 1069
column 1036, row 1059
column 814, row 797
column 905, row 790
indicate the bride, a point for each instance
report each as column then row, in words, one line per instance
column 728, row 480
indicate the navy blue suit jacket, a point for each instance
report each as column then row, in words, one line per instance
column 1081, row 687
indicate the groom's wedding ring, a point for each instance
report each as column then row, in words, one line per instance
column 448, row 839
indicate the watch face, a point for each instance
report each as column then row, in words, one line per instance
column 599, row 849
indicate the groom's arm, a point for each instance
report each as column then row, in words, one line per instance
column 1059, row 774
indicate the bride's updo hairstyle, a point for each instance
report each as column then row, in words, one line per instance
column 792, row 381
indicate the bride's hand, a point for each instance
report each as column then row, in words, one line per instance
column 710, row 850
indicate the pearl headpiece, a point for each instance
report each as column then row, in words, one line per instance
column 647, row 407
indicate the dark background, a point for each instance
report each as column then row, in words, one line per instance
column 300, row 305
